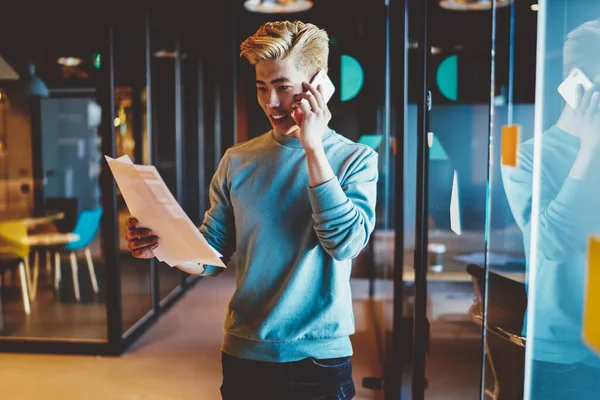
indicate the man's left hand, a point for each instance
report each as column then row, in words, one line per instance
column 316, row 116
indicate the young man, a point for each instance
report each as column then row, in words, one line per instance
column 563, row 366
column 296, row 204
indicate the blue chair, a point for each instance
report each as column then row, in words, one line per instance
column 88, row 223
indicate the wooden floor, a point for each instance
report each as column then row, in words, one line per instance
column 179, row 357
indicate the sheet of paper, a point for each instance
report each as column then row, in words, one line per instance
column 455, row 221
column 152, row 203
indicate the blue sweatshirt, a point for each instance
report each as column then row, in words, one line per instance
column 566, row 219
column 294, row 244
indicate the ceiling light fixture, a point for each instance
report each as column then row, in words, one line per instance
column 162, row 53
column 278, row 6
column 472, row 5
column 69, row 61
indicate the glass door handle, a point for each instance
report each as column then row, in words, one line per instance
column 429, row 100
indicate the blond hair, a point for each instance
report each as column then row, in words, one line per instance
column 305, row 44
column 582, row 49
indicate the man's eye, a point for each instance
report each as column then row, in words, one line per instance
column 284, row 87
column 261, row 89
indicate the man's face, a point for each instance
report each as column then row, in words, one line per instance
column 277, row 82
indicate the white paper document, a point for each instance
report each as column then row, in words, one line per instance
column 151, row 202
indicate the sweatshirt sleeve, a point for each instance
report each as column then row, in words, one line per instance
column 566, row 217
column 344, row 212
column 218, row 226
column 567, row 221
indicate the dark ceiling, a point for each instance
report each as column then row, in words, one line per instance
column 356, row 27
column 359, row 30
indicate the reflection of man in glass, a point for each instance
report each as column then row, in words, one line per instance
column 563, row 366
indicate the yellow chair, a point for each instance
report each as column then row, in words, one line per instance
column 15, row 251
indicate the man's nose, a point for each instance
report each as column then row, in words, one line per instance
column 273, row 101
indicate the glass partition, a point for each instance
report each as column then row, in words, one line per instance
column 540, row 263
column 52, row 266
column 464, row 261
column 166, row 122
column 459, row 80
column 132, row 138
column 553, row 191
column 500, row 276
column 73, row 89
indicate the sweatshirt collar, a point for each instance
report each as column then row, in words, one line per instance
column 293, row 142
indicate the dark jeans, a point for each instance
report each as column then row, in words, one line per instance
column 308, row 379
column 550, row 381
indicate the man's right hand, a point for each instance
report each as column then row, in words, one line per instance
column 588, row 117
column 141, row 241
column 587, row 128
